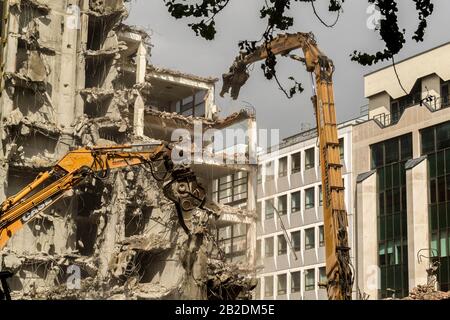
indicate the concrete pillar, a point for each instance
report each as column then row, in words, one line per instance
column 368, row 274
column 418, row 231
column 139, row 114
column 65, row 102
column 141, row 63
column 6, row 103
column 81, row 47
column 210, row 107
column 251, row 191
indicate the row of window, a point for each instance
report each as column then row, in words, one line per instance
column 281, row 243
column 279, row 283
column 294, row 162
column 231, row 189
column 294, row 199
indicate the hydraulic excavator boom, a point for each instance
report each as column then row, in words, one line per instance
column 179, row 185
column 338, row 265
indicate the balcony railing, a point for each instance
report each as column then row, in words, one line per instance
column 432, row 103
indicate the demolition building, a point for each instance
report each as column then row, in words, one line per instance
column 73, row 74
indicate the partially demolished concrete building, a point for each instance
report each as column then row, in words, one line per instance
column 73, row 74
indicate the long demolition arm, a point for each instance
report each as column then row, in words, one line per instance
column 75, row 166
column 337, row 251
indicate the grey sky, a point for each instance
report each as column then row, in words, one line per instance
column 177, row 47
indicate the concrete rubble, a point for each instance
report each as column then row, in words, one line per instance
column 116, row 238
column 427, row 292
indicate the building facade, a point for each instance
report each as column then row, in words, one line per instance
column 73, row 74
column 401, row 176
column 290, row 245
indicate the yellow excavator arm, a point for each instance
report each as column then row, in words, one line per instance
column 181, row 187
column 337, row 252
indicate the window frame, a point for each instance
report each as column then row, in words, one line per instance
column 310, row 246
column 308, row 163
column 309, row 205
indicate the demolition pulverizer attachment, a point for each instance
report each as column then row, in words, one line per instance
column 186, row 193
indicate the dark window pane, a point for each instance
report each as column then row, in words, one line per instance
column 382, row 255
column 389, row 227
column 391, row 151
column 382, row 228
column 309, row 198
column 389, row 202
column 433, row 217
column 309, row 158
column 295, row 238
column 377, row 155
column 441, row 189
column 442, row 216
column 295, row 281
column 433, row 191
column 404, row 204
column 309, row 239
column 295, row 202
column 282, row 167
column 396, row 199
column 381, row 178
column 388, row 180
column 282, row 205
column 443, row 136
column 447, row 161
column 428, row 141
column 381, row 203
column 397, row 224
column 282, row 245
column 406, row 147
column 396, row 175
column 441, row 163
column 448, row 186
column 295, row 162
column 432, row 165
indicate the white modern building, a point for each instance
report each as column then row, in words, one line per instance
column 290, row 242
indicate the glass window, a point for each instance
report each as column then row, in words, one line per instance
column 391, row 151
column 323, row 276
column 427, row 137
column 269, row 171
column 377, row 155
column 269, row 209
column 295, row 281
column 321, row 237
column 310, row 239
column 282, row 245
column 295, row 238
column 282, row 205
column 443, row 136
column 310, row 280
column 295, row 162
column 309, row 158
column 406, row 147
column 295, row 202
column 341, row 149
column 282, row 284
column 282, row 167
column 268, row 247
column 309, row 198
column 320, row 196
column 233, row 188
column 268, row 286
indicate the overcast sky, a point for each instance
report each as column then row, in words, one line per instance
column 177, row 47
